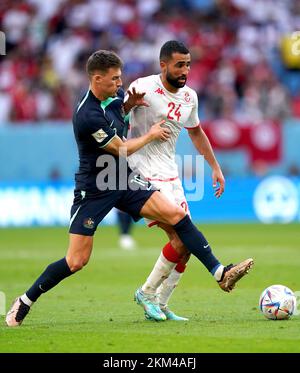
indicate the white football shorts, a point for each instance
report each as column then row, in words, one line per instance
column 173, row 190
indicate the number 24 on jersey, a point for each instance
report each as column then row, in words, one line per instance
column 174, row 111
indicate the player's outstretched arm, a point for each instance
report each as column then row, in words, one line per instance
column 204, row 147
column 156, row 132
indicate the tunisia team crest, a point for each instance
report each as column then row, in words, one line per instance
column 187, row 97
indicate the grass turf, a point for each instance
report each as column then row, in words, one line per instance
column 93, row 311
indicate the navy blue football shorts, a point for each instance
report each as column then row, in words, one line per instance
column 89, row 209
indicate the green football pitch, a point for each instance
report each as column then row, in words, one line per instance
column 94, row 311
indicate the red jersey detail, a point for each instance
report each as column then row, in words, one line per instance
column 187, row 97
column 170, row 179
column 160, row 91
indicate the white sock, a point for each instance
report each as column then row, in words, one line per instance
column 160, row 272
column 168, row 286
column 26, row 300
column 219, row 272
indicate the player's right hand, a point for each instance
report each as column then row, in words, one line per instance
column 159, row 132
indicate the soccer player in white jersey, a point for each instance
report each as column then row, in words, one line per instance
column 167, row 97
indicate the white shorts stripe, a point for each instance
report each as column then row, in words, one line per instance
column 74, row 216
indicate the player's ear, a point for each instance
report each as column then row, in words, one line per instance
column 162, row 65
column 98, row 78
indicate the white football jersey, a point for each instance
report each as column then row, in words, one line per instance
column 157, row 159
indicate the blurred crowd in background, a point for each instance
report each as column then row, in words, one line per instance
column 242, row 65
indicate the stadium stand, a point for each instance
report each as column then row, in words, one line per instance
column 243, row 69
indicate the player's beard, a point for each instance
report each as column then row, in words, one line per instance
column 174, row 82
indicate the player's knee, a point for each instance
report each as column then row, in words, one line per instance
column 76, row 264
column 176, row 215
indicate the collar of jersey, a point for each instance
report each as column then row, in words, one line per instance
column 106, row 102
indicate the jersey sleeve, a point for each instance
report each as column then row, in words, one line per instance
column 193, row 120
column 99, row 128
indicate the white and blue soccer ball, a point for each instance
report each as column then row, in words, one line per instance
column 277, row 302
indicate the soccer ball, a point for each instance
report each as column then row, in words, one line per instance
column 277, row 302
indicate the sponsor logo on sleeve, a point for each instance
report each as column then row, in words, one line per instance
column 160, row 91
column 100, row 135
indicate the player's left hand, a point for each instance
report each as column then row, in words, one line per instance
column 136, row 98
column 218, row 182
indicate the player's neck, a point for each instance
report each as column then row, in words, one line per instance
column 167, row 85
